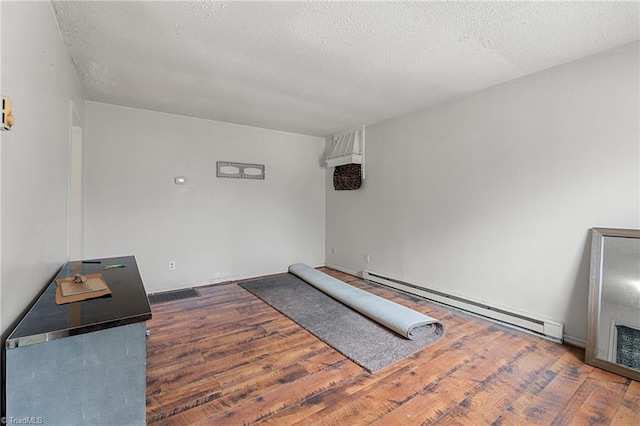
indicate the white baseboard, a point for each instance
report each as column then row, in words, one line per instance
column 575, row 341
column 542, row 326
column 345, row 270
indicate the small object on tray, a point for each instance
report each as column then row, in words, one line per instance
column 80, row 287
column 77, row 278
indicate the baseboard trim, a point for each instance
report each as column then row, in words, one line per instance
column 345, row 270
column 575, row 341
column 541, row 326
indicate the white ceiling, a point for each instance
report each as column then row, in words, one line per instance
column 321, row 67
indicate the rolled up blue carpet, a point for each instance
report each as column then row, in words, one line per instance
column 402, row 320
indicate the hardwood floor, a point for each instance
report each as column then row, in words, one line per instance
column 227, row 358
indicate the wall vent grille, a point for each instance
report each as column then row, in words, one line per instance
column 170, row 296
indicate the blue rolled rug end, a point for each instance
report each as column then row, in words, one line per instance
column 404, row 321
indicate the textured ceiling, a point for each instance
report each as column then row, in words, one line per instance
column 320, row 67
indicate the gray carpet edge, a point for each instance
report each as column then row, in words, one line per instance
column 346, row 355
column 392, row 355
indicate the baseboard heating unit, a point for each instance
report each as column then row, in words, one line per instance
column 543, row 327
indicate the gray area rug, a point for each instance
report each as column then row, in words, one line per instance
column 364, row 341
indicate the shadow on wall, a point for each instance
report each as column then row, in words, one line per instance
column 580, row 295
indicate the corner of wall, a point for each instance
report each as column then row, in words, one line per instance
column 35, row 154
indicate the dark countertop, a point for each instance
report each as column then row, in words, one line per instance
column 127, row 304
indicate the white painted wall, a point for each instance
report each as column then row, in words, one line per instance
column 76, row 202
column 37, row 75
column 1, row 92
column 492, row 196
column 213, row 228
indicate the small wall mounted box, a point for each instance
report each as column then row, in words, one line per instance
column 7, row 116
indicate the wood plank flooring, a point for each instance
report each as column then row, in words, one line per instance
column 227, row 358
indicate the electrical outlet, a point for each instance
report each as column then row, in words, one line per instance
column 172, row 265
column 367, row 258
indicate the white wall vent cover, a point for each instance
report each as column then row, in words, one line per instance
column 348, row 148
column 227, row 169
column 549, row 329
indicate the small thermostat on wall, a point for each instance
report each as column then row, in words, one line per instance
column 7, row 116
